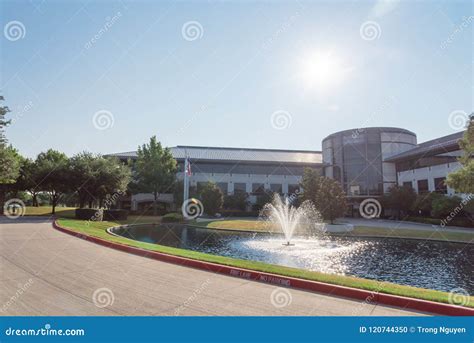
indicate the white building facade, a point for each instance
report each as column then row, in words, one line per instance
column 366, row 161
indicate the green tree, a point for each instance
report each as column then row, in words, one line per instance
column 237, row 201
column 3, row 122
column 96, row 178
column 10, row 162
column 326, row 194
column 53, row 173
column 462, row 180
column 310, row 184
column 212, row 198
column 155, row 170
column 445, row 206
column 9, row 157
column 424, row 203
column 29, row 180
column 400, row 199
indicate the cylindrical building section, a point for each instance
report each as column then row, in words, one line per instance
column 356, row 158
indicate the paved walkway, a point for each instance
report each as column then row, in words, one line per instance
column 46, row 272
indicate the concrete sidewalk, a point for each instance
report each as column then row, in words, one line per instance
column 46, row 272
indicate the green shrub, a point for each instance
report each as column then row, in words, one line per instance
column 423, row 204
column 114, row 215
column 238, row 201
column 172, row 218
column 89, row 214
column 211, row 198
column 446, row 206
column 400, row 199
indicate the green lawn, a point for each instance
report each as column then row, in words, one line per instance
column 69, row 213
column 66, row 212
column 359, row 231
column 98, row 229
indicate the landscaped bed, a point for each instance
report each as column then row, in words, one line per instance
column 99, row 229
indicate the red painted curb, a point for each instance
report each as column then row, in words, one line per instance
column 315, row 286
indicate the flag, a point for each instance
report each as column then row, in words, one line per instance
column 188, row 168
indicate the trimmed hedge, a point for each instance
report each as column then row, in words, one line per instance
column 89, row 214
column 114, row 215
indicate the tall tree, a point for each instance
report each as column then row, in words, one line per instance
column 212, row 198
column 29, row 180
column 95, row 177
column 326, row 194
column 3, row 121
column 53, row 170
column 9, row 158
column 462, row 180
column 155, row 170
column 400, row 199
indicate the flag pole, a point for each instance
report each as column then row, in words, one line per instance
column 186, row 177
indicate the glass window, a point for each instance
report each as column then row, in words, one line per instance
column 276, row 188
column 258, row 188
column 423, row 186
column 240, row 187
column 408, row 184
column 440, row 185
column 292, row 189
column 223, row 187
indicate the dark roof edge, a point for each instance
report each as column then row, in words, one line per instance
column 433, row 148
column 247, row 149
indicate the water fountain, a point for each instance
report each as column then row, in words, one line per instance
column 282, row 214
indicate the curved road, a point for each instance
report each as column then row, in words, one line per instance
column 46, row 272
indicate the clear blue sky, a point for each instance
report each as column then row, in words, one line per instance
column 308, row 58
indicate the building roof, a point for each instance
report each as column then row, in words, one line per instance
column 238, row 155
column 432, row 147
column 377, row 129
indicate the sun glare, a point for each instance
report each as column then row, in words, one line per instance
column 322, row 71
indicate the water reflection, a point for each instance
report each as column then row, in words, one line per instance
column 428, row 264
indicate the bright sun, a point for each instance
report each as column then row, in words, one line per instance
column 322, row 71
